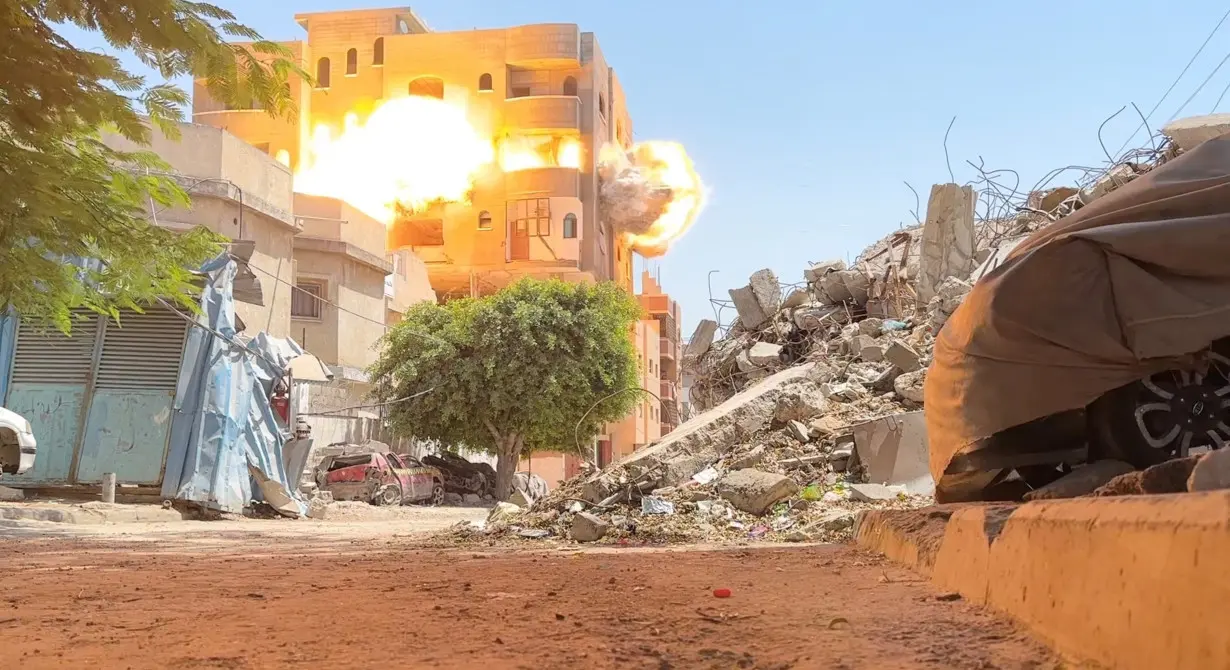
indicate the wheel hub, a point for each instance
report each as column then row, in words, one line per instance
column 1183, row 411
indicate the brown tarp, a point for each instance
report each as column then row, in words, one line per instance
column 1123, row 288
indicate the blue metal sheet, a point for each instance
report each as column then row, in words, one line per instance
column 126, row 433
column 54, row 411
column 8, row 336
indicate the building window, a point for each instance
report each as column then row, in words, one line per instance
column 484, row 220
column 352, row 62
column 602, row 105
column 484, row 82
column 403, row 27
column 322, row 73
column 428, row 87
column 305, row 300
column 570, row 86
column 533, row 215
column 570, row 226
column 378, row 52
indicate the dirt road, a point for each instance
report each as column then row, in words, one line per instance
column 88, row 603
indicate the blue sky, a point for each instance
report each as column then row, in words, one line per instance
column 805, row 119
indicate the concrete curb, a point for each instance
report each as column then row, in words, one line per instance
column 87, row 513
column 1128, row 582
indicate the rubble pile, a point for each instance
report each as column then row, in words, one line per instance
column 810, row 399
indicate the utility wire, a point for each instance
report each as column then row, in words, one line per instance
column 1148, row 116
column 1198, row 89
column 339, row 307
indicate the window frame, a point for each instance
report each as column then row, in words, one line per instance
column 324, row 67
column 352, row 62
column 486, row 78
column 322, row 286
column 570, row 221
column 485, row 215
column 378, row 52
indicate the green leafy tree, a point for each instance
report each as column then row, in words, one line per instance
column 63, row 193
column 513, row 372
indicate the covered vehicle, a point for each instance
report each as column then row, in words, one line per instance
column 17, row 444
column 380, row 478
column 1103, row 335
column 461, row 476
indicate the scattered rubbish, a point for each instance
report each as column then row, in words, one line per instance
column 721, row 593
column 533, row 533
column 651, row 505
column 707, row 475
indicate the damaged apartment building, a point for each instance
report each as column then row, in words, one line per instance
column 547, row 99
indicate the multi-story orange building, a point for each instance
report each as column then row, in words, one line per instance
column 548, row 101
column 665, row 311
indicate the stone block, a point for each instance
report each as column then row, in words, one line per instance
column 749, row 459
column 767, row 289
column 798, row 431
column 702, row 338
column 857, row 285
column 753, row 491
column 872, row 492
column 750, row 313
column 902, row 356
column 948, row 240
column 1191, row 132
column 764, row 354
column 1212, row 472
column 1081, row 481
column 910, row 385
column 814, row 273
column 893, row 449
column 588, row 528
column 819, row 317
column 834, row 286
column 797, row 298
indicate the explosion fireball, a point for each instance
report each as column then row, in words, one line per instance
column 413, row 152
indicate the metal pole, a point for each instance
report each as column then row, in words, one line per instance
column 108, row 487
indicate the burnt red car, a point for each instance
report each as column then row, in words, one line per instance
column 381, row 479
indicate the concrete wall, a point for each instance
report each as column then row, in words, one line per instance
column 643, row 425
column 239, row 192
column 342, row 337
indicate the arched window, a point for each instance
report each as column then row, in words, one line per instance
column 428, row 87
column 602, row 104
column 570, row 226
column 484, row 220
column 484, row 82
column 378, row 51
column 322, row 73
column 570, row 86
column 352, row 62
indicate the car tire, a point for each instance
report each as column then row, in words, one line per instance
column 388, row 496
column 1165, row 416
column 437, row 495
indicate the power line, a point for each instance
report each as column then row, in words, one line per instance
column 1148, row 116
column 1198, row 89
column 339, row 307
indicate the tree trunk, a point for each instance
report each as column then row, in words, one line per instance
column 506, row 467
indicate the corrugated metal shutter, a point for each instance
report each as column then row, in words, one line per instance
column 143, row 351
column 47, row 356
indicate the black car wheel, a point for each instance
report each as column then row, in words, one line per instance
column 437, row 494
column 1169, row 415
column 388, row 495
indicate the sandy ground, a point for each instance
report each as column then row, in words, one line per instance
column 332, row 595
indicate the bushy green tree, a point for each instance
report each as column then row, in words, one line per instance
column 63, row 193
column 513, row 372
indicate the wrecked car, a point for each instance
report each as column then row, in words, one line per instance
column 461, row 476
column 17, row 444
column 381, row 479
column 1101, row 336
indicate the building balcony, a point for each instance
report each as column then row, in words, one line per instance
column 544, row 45
column 667, row 391
column 546, row 182
column 543, row 112
column 666, row 348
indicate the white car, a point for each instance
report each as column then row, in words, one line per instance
column 17, row 444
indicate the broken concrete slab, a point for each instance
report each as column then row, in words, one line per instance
column 754, row 491
column 902, row 356
column 764, row 354
column 831, row 520
column 1081, row 481
column 767, row 289
column 1167, row 477
column 866, row 348
column 750, row 459
column 834, row 286
column 949, row 239
column 588, row 528
column 797, row 298
column 910, row 385
column 801, row 403
column 827, row 425
column 1191, row 132
column 857, row 285
column 1212, row 472
column 894, row 451
column 848, row 391
column 750, row 313
column 821, row 316
column 841, row 456
column 798, row 431
column 872, row 492
column 801, row 461
column 817, row 271
column 702, row 338
column 871, row 326
column 704, row 438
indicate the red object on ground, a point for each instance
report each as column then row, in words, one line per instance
column 721, row 593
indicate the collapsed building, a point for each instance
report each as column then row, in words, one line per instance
column 810, row 398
